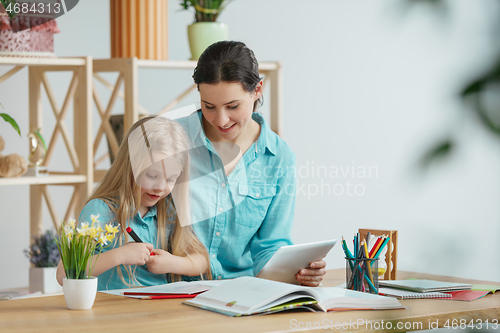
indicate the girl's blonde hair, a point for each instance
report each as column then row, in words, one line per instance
column 119, row 188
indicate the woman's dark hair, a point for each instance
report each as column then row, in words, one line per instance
column 228, row 61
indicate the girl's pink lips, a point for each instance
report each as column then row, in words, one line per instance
column 153, row 197
column 226, row 130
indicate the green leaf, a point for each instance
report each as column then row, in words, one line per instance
column 6, row 3
column 11, row 121
column 474, row 87
column 439, row 151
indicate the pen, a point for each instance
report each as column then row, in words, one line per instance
column 135, row 237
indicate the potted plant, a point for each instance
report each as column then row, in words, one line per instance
column 77, row 246
column 43, row 254
column 205, row 30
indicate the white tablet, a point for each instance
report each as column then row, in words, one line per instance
column 289, row 260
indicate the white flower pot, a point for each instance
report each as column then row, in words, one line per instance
column 44, row 279
column 80, row 293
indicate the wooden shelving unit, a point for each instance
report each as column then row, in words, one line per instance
column 79, row 146
column 82, row 146
column 128, row 77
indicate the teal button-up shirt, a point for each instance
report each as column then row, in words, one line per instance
column 243, row 218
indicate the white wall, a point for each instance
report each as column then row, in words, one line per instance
column 366, row 84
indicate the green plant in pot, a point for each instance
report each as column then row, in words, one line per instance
column 44, row 256
column 77, row 245
column 205, row 30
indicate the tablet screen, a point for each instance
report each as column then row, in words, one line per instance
column 289, row 260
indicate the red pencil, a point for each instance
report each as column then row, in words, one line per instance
column 169, row 296
column 375, row 247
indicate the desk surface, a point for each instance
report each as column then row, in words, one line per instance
column 121, row 314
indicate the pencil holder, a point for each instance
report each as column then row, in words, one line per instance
column 362, row 275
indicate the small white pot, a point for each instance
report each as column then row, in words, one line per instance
column 44, row 279
column 80, row 293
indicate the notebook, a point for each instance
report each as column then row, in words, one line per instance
column 405, row 294
column 424, row 286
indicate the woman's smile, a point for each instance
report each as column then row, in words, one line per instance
column 226, row 129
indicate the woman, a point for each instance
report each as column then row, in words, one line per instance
column 243, row 181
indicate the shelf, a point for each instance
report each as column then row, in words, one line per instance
column 18, row 61
column 50, row 179
column 189, row 64
column 78, row 145
column 104, row 64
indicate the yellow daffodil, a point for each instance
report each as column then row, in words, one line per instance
column 83, row 230
column 94, row 232
column 68, row 230
column 111, row 229
column 94, row 219
column 103, row 240
column 77, row 245
column 110, row 237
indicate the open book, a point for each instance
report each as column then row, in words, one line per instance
column 248, row 295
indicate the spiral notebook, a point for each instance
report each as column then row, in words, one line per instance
column 404, row 294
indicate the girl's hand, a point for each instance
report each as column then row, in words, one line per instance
column 312, row 276
column 135, row 253
column 161, row 262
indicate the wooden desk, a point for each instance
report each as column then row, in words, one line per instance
column 121, row 314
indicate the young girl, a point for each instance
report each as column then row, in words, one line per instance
column 150, row 172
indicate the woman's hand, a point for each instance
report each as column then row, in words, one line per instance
column 313, row 275
column 161, row 262
column 134, row 253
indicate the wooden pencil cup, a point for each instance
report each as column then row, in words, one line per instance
column 392, row 249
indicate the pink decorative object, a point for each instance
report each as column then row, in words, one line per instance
column 27, row 35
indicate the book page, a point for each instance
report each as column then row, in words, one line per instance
column 247, row 294
column 332, row 298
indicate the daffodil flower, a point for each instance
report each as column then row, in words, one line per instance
column 103, row 240
column 78, row 244
column 94, row 232
column 111, row 229
column 94, row 219
column 68, row 230
column 110, row 237
column 84, row 230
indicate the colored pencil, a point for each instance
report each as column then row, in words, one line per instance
column 375, row 247
column 381, row 248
